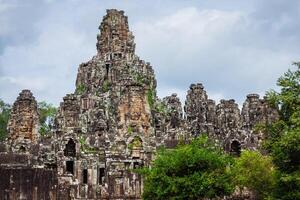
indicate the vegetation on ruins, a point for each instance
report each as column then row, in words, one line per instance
column 47, row 114
column 129, row 129
column 255, row 172
column 151, row 97
column 161, row 107
column 135, row 143
column 199, row 169
column 139, row 78
column 84, row 147
column 80, row 89
column 4, row 116
column 106, row 85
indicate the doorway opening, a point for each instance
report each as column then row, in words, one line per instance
column 70, row 166
column 85, row 176
column 235, row 148
column 70, row 149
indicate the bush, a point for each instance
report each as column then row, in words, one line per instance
column 256, row 172
column 287, row 186
column 199, row 169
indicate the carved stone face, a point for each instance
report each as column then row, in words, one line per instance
column 133, row 111
column 135, row 115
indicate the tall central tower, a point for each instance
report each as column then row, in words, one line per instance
column 105, row 128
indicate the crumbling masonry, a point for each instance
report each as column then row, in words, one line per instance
column 114, row 123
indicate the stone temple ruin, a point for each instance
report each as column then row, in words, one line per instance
column 114, row 123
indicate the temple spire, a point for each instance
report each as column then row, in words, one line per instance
column 24, row 121
column 115, row 40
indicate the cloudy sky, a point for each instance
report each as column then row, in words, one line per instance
column 233, row 47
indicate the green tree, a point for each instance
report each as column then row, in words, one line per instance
column 284, row 135
column 4, row 116
column 199, row 169
column 255, row 172
column 288, row 99
column 47, row 114
column 286, row 156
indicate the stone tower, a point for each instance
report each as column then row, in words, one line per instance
column 115, row 39
column 104, row 128
column 199, row 111
column 23, row 124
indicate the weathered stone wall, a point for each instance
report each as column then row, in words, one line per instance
column 28, row 183
column 232, row 128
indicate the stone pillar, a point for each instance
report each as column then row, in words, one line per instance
column 23, row 125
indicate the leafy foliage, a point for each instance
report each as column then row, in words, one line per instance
column 161, row 107
column 80, row 89
column 286, row 156
column 284, row 135
column 199, row 169
column 139, row 78
column 286, row 152
column 151, row 97
column 136, row 142
column 47, row 114
column 4, row 116
column 288, row 185
column 85, row 147
column 256, row 172
column 129, row 129
column 288, row 99
column 106, row 85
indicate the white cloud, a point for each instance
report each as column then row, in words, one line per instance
column 215, row 47
column 49, row 64
column 36, row 84
column 5, row 6
column 189, row 28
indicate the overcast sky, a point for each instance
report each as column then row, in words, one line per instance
column 233, row 47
